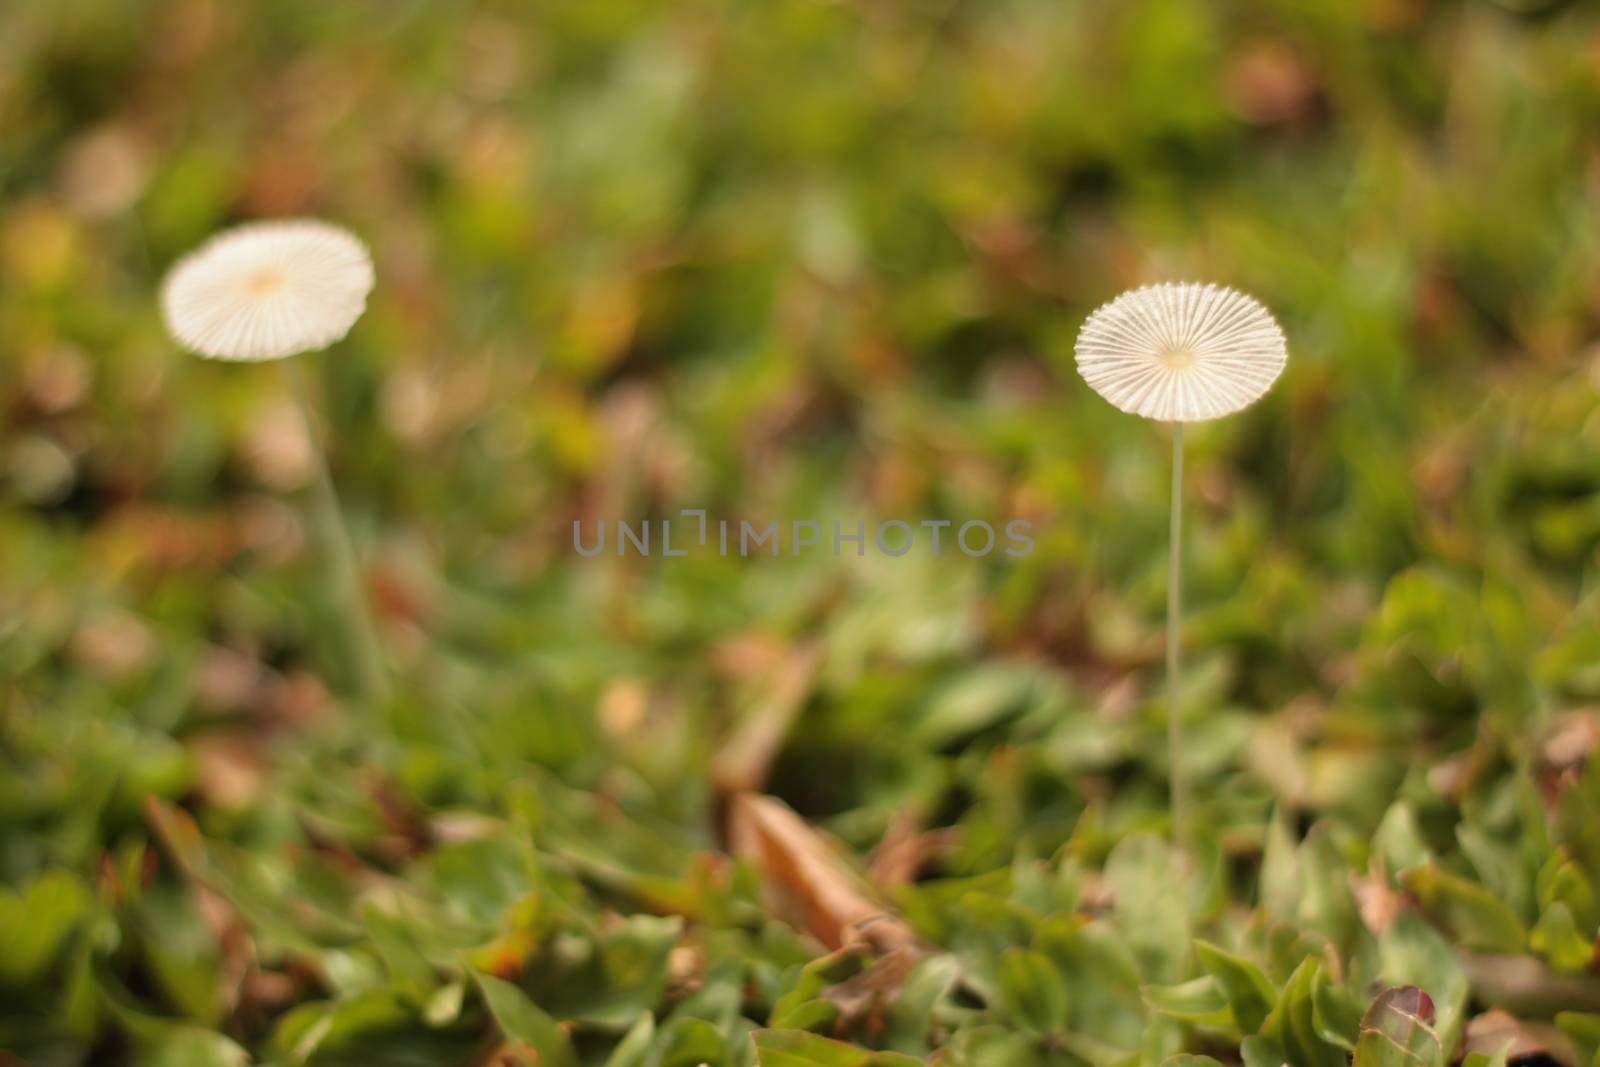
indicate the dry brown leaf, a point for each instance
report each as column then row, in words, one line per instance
column 1495, row 1029
column 863, row 998
column 905, row 850
column 1573, row 739
column 295, row 698
column 1527, row 986
column 177, row 832
column 807, row 879
column 1379, row 904
column 623, row 707
column 226, row 680
column 409, row 833
column 231, row 770
column 747, row 656
column 114, row 644
column 152, row 538
column 1269, row 83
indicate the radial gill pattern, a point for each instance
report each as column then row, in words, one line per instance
column 267, row 290
column 1181, row 351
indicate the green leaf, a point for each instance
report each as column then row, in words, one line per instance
column 523, row 1022
column 1476, row 918
column 1564, row 881
column 797, row 1048
column 1583, row 1028
column 688, row 1042
column 1199, row 1001
column 1250, row 995
column 378, row 1026
column 1398, row 841
column 1147, row 893
column 1031, row 990
column 1557, row 939
column 1325, row 902
column 634, row 1047
column 816, row 1015
column 975, row 701
column 189, row 1046
column 911, row 1014
column 35, row 924
column 1280, row 869
column 1397, row 1031
column 179, row 951
column 443, row 1007
column 1413, row 953
column 392, row 939
column 989, row 1046
column 1258, row 1051
column 1292, row 1024
column 1336, row 1012
column 1102, row 979
column 801, row 1007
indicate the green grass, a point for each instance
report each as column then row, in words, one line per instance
column 800, row 259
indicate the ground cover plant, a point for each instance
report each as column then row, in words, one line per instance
column 825, row 261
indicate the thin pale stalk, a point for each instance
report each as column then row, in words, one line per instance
column 336, row 541
column 1180, row 800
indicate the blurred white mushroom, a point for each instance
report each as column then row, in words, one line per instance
column 267, row 290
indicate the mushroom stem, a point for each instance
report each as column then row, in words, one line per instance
column 1180, row 800
column 339, row 548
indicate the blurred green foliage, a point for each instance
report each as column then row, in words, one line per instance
column 811, row 259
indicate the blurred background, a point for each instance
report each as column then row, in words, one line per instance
column 794, row 258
